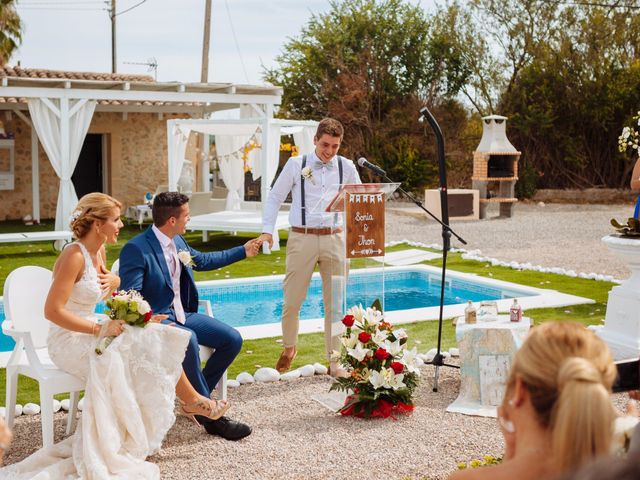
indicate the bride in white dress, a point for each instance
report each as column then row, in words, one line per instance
column 130, row 390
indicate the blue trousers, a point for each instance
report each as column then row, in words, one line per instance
column 213, row 333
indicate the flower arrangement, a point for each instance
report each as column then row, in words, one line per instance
column 307, row 174
column 186, row 259
column 383, row 372
column 630, row 137
column 128, row 306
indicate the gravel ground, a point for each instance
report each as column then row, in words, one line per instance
column 295, row 437
column 552, row 235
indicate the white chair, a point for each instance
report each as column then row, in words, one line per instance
column 25, row 291
column 205, row 352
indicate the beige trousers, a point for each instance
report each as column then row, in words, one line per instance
column 304, row 252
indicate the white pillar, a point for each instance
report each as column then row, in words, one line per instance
column 205, row 165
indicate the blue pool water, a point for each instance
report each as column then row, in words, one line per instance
column 260, row 302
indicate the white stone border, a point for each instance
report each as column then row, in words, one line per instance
column 477, row 256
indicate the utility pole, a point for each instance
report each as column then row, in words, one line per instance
column 204, row 73
column 114, row 63
column 203, row 163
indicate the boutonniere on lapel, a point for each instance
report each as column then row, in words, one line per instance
column 307, row 174
column 185, row 258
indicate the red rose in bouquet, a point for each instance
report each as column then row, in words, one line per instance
column 348, row 320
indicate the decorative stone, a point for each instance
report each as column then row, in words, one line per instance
column 56, row 405
column 81, row 404
column 231, row 383
column 267, row 374
column 31, row 409
column 18, row 411
column 307, row 371
column 65, row 404
column 454, row 352
column 290, row 375
column 245, row 377
column 320, row 369
column 429, row 356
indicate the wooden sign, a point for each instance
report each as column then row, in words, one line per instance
column 364, row 219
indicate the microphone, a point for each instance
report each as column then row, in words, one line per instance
column 363, row 162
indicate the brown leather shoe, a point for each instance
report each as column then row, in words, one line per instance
column 284, row 362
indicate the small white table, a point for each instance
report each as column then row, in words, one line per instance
column 486, row 354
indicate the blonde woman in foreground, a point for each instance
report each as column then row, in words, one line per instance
column 556, row 413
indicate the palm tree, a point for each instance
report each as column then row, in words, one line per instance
column 10, row 30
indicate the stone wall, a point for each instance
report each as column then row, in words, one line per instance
column 136, row 162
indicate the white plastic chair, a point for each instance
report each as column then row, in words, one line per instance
column 205, row 352
column 25, row 291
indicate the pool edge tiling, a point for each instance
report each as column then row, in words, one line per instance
column 534, row 298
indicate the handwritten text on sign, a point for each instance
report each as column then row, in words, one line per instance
column 364, row 218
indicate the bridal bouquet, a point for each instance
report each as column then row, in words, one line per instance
column 128, row 306
column 383, row 372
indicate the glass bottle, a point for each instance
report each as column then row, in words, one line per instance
column 470, row 313
column 515, row 312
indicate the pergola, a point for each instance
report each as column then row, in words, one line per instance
column 230, row 138
column 60, row 112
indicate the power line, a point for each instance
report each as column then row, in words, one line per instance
column 130, row 8
column 235, row 40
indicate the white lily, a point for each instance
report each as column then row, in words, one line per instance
column 392, row 347
column 400, row 333
column 358, row 353
column 409, row 360
column 374, row 317
column 377, row 379
column 380, row 337
column 357, row 312
column 395, row 381
column 349, row 342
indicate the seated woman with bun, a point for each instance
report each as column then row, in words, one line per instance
column 557, row 413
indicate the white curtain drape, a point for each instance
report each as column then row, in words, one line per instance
column 179, row 139
column 304, row 139
column 231, row 166
column 62, row 127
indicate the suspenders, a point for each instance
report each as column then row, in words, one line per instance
column 302, row 195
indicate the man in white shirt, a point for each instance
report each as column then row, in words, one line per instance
column 315, row 237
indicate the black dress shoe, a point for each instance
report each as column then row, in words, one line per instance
column 227, row 428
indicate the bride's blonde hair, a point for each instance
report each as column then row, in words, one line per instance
column 91, row 207
column 568, row 372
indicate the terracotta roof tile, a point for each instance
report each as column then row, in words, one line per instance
column 8, row 71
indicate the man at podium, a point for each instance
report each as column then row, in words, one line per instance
column 315, row 237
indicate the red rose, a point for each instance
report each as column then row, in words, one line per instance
column 364, row 337
column 397, row 367
column 382, row 354
column 114, row 294
column 147, row 316
column 348, row 320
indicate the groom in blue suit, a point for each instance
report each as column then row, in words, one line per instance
column 159, row 264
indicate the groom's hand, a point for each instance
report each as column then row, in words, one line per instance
column 109, row 281
column 252, row 247
column 266, row 237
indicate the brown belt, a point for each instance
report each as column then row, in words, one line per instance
column 316, row 231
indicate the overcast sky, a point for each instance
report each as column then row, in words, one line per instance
column 76, row 35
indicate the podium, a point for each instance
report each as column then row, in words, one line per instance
column 359, row 210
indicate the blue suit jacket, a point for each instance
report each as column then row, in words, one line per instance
column 144, row 268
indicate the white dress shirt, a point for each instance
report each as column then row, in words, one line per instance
column 319, row 191
column 170, row 253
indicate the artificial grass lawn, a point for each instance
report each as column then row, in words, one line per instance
column 264, row 352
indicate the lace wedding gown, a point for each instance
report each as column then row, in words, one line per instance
column 129, row 396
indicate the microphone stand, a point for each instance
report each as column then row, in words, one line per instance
column 438, row 359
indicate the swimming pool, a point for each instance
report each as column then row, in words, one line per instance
column 254, row 305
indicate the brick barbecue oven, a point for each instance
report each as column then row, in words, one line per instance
column 495, row 167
